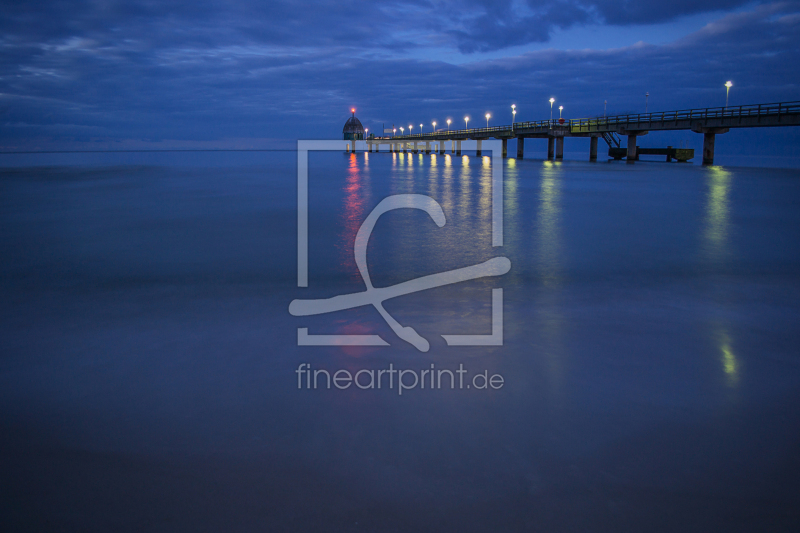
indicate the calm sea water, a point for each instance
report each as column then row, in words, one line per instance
column 651, row 358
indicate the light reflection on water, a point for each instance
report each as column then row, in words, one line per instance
column 548, row 245
column 548, row 232
column 717, row 253
column 717, row 214
column 536, row 234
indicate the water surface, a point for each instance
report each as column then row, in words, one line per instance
column 650, row 357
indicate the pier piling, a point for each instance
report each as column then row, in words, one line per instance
column 631, row 156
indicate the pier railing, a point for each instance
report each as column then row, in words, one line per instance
column 732, row 116
column 759, row 111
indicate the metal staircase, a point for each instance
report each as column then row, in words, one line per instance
column 611, row 139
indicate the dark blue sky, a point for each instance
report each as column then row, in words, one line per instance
column 128, row 74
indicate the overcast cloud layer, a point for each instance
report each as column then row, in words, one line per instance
column 251, row 74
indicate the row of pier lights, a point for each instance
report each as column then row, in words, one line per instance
column 487, row 116
column 555, row 145
column 728, row 85
column 555, row 136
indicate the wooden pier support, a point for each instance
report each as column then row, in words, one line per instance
column 441, row 147
column 520, row 147
column 551, row 148
column 593, row 148
column 427, row 147
column 559, row 148
column 458, row 147
column 478, row 151
column 505, row 148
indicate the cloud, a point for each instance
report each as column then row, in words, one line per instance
column 191, row 71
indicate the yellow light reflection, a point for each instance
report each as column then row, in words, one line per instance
column 433, row 178
column 447, row 185
column 730, row 363
column 717, row 213
column 511, row 206
column 548, row 243
column 485, row 198
column 549, row 214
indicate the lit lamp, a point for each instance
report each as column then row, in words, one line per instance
column 560, row 109
column 448, row 124
column 420, row 128
column 728, row 86
column 513, row 114
column 466, row 123
column 551, row 108
column 488, row 116
column 434, row 126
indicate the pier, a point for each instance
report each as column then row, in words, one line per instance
column 708, row 122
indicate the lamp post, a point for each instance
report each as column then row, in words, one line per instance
column 513, row 115
column 466, row 123
column 560, row 109
column 448, row 124
column 410, row 127
column 402, row 131
column 605, row 107
column 728, row 86
column 646, row 97
column 434, row 126
column 394, row 130
column 420, row 128
column 551, row 109
column 366, row 130
column 488, row 116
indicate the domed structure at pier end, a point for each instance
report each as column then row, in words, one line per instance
column 353, row 130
